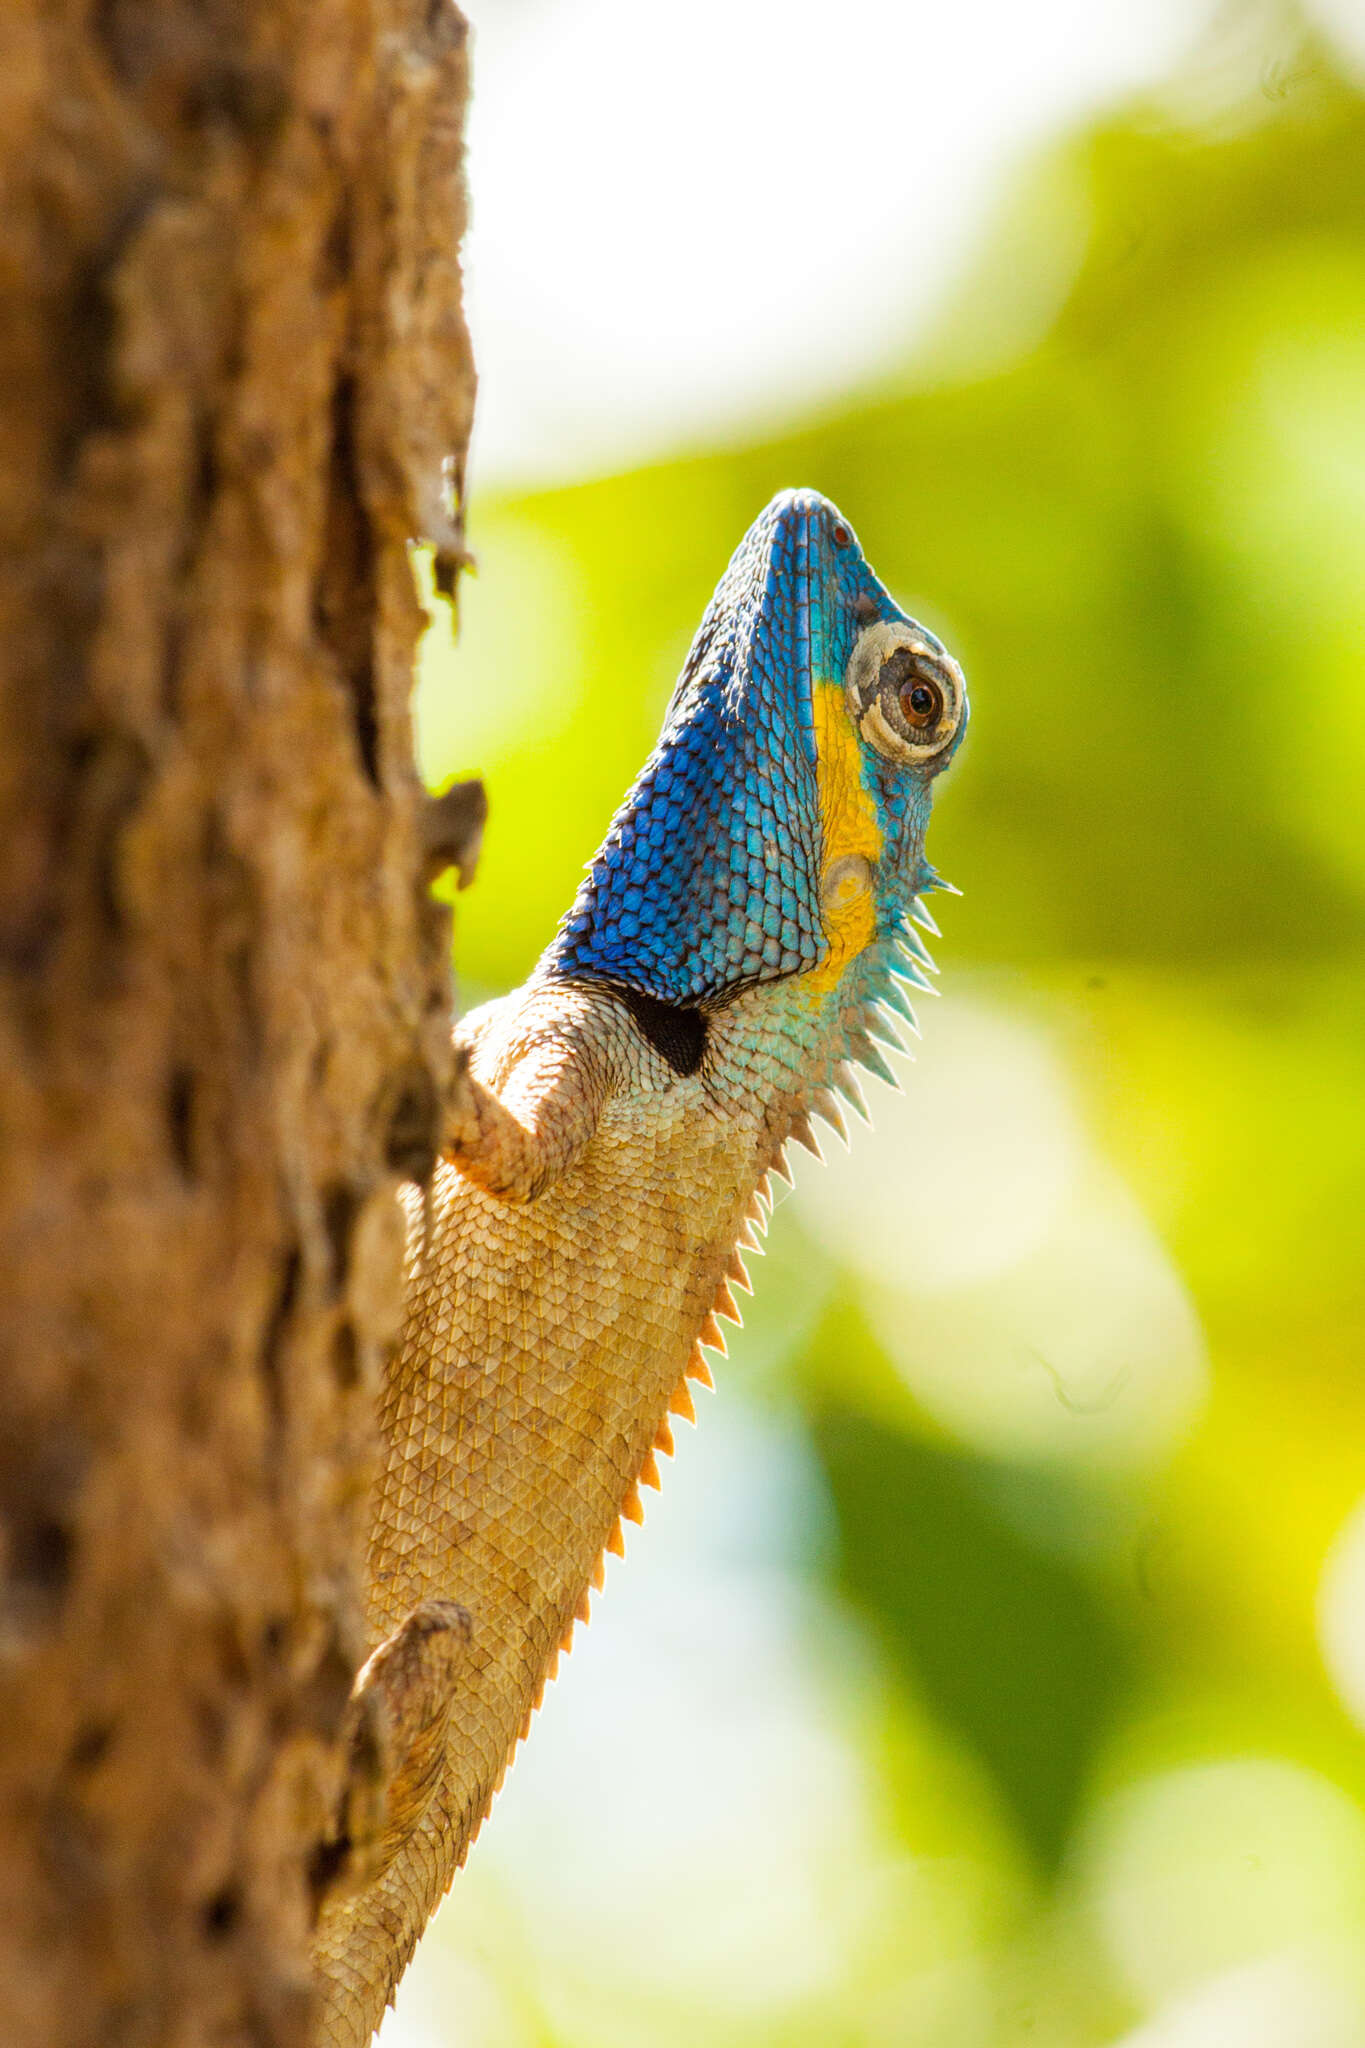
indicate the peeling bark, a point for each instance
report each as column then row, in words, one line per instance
column 234, row 382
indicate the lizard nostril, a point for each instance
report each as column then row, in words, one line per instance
column 840, row 536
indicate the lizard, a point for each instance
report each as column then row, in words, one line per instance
column 742, row 940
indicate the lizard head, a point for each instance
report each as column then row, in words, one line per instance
column 778, row 827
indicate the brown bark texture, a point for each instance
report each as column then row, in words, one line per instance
column 234, row 383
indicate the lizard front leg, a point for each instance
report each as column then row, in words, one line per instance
column 516, row 1137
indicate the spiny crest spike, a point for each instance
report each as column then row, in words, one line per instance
column 781, row 1169
column 840, row 1131
column 763, row 1195
column 526, row 1723
column 846, row 1081
column 711, row 1334
column 920, row 912
column 875, row 1064
column 736, row 1271
column 932, row 879
column 583, row 1611
column 552, row 1668
column 907, row 971
column 566, row 1643
column 680, row 1402
column 616, row 1542
column 649, row 1473
column 663, row 1439
column 910, row 942
column 896, row 999
column 827, row 1108
column 726, row 1305
column 598, row 1575
column 538, row 1695
column 804, row 1135
column 879, row 1026
column 697, row 1369
column 748, row 1236
column 632, row 1507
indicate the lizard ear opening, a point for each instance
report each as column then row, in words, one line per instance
column 905, row 696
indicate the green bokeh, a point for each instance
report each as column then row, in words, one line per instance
column 1010, row 1643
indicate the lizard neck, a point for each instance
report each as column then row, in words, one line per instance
column 783, row 1050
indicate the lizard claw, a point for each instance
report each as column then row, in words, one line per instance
column 452, row 831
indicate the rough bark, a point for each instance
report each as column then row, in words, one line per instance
column 232, row 365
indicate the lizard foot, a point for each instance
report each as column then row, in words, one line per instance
column 396, row 1744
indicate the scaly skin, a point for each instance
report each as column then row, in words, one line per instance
column 609, row 1154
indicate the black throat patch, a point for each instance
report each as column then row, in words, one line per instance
column 674, row 1029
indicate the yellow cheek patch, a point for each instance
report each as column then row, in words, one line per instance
column 852, row 839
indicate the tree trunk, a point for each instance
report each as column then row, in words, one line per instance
column 232, row 366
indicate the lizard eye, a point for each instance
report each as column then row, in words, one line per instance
column 921, row 704
column 905, row 694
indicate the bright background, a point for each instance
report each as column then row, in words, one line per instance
column 991, row 1671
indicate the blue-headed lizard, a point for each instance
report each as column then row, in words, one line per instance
column 731, row 956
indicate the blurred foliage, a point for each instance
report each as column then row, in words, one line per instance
column 1009, row 1644
column 1145, row 536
